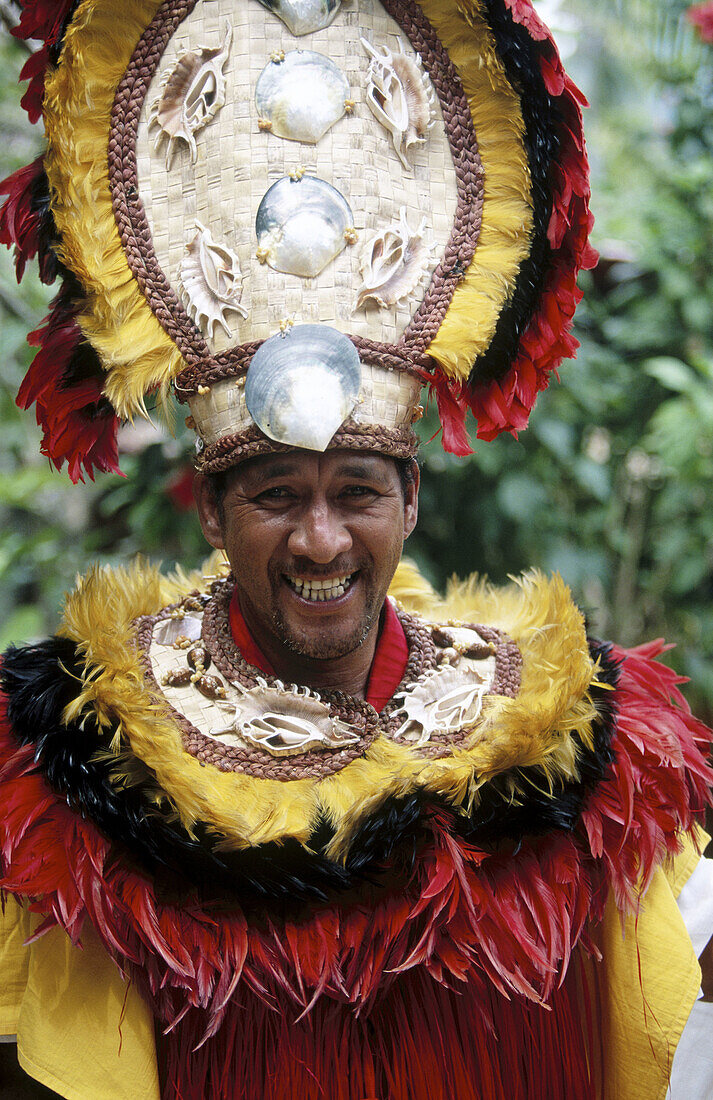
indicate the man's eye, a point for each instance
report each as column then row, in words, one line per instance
column 277, row 494
column 359, row 491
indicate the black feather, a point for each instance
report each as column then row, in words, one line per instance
column 47, row 235
column 56, row 41
column 41, row 680
column 520, row 54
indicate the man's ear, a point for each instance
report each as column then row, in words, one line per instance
column 411, row 501
column 208, row 511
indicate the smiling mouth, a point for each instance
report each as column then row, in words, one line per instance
column 320, row 591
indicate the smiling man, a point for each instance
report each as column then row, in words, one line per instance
column 296, row 827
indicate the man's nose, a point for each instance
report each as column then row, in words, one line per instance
column 320, row 534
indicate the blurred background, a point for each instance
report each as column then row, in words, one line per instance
column 610, row 485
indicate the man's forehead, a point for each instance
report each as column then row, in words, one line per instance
column 337, row 463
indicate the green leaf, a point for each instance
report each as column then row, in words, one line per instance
column 671, row 373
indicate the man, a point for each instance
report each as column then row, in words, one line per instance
column 269, row 831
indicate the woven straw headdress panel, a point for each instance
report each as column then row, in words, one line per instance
column 237, row 163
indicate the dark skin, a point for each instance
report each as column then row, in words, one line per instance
column 313, row 540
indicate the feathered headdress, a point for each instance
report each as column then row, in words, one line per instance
column 297, row 215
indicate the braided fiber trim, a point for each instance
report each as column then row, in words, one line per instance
column 228, row 659
column 132, row 222
column 458, row 123
column 424, row 658
column 508, row 660
column 129, row 211
column 232, row 363
column 232, row 449
column 506, row 681
column 250, row 759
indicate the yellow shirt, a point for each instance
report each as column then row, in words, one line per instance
column 84, row 1031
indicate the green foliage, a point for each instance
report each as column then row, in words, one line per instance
column 611, row 483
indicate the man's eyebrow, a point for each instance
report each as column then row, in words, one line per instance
column 281, row 468
column 363, row 471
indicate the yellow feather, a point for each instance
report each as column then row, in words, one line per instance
column 135, row 351
column 469, row 324
column 244, row 811
column 410, row 589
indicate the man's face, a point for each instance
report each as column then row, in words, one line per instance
column 313, row 541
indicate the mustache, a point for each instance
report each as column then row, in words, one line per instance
column 303, row 567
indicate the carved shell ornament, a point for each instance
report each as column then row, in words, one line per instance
column 193, row 92
column 303, row 16
column 283, row 720
column 400, row 96
column 393, row 263
column 450, row 698
column 444, row 702
column 300, row 95
column 210, row 283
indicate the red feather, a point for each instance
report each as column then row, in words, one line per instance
column 41, row 20
column 451, row 412
column 19, row 223
column 405, row 987
column 79, row 427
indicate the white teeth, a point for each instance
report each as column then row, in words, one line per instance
column 320, row 590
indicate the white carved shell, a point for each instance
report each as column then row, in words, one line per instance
column 193, row 93
column 445, row 701
column 400, row 96
column 210, row 283
column 300, row 95
column 393, row 263
column 285, row 721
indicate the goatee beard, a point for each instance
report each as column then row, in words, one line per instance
column 321, row 648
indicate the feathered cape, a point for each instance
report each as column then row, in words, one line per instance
column 375, row 934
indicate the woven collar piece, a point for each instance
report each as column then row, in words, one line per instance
column 404, row 179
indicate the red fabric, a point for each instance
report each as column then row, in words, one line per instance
column 244, row 639
column 390, row 658
column 387, row 668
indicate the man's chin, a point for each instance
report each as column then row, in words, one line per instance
column 319, row 647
